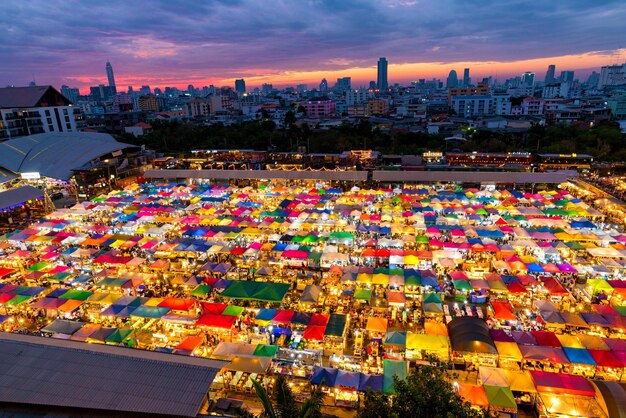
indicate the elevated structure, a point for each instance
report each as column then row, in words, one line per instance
column 56, row 154
column 37, row 371
column 34, row 110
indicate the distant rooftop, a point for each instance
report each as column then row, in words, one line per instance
column 33, row 96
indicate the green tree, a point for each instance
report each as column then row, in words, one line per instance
column 283, row 403
column 426, row 392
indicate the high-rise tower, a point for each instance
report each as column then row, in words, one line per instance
column 110, row 75
column 383, row 84
column 550, row 74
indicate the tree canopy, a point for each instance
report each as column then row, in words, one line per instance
column 604, row 141
column 426, row 392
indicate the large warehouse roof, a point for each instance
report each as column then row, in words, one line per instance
column 56, row 154
column 51, row 372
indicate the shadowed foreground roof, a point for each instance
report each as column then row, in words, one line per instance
column 56, row 154
column 47, row 371
column 18, row 196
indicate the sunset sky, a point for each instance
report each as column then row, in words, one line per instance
column 175, row 43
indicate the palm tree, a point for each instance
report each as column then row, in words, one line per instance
column 284, row 405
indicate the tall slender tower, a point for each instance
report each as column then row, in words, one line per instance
column 383, row 85
column 110, row 75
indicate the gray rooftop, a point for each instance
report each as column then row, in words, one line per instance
column 56, row 154
column 51, row 372
column 32, row 96
column 19, row 195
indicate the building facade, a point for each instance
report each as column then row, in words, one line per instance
column 35, row 110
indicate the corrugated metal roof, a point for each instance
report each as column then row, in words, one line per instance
column 6, row 175
column 56, row 154
column 47, row 371
column 19, row 195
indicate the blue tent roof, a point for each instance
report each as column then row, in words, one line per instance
column 327, row 374
column 371, row 381
column 579, row 355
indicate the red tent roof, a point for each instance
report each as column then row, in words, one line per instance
column 314, row 332
column 606, row 358
column 554, row 287
column 319, row 319
column 283, row 317
column 190, row 343
column 176, row 304
column 503, row 310
column 546, row 339
column 5, row 271
column 516, row 287
column 216, row 321
column 562, row 383
column 213, row 308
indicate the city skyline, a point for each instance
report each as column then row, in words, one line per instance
column 289, row 44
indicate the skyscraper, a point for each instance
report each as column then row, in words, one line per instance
column 344, row 83
column 467, row 81
column 382, row 74
column 550, row 74
column 567, row 77
column 240, row 86
column 528, row 78
column 324, row 85
column 110, row 75
column 452, row 80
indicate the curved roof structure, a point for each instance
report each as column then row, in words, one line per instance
column 469, row 334
column 56, row 154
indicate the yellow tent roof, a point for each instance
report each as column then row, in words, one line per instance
column 427, row 342
column 435, row 328
column 520, row 381
column 376, row 324
column 570, row 341
column 509, row 350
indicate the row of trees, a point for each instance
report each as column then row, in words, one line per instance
column 604, row 141
column 426, row 392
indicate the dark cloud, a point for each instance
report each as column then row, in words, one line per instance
column 71, row 40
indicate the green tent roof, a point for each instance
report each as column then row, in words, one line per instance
column 38, row 266
column 431, row 298
column 272, row 292
column 462, row 285
column 396, row 338
column 263, row 350
column 17, row 300
column 201, row 290
column 412, row 281
column 363, row 294
column 233, row 310
column 336, row 325
column 341, row 235
column 119, row 335
column 393, row 368
column 240, row 289
column 500, row 397
column 76, row 294
column 153, row 312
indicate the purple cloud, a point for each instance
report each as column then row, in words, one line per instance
column 69, row 41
